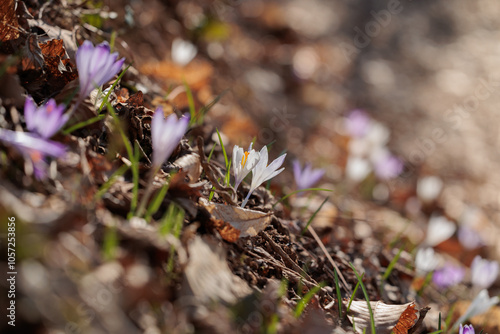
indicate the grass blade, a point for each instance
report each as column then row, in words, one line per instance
column 299, row 191
column 354, row 294
column 192, row 108
column 156, row 202
column 203, row 110
column 390, row 267
column 83, row 124
column 105, row 100
column 223, row 150
column 105, row 187
column 339, row 296
column 367, row 298
column 301, row 305
column 313, row 215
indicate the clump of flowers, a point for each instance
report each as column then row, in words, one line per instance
column 96, row 65
column 367, row 148
column 307, row 177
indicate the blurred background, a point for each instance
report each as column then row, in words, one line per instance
column 427, row 71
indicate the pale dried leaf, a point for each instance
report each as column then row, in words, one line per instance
column 386, row 316
column 190, row 163
column 208, row 277
column 249, row 222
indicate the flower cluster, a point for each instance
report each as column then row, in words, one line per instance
column 367, row 149
column 245, row 162
column 96, row 65
column 43, row 122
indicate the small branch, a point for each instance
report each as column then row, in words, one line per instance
column 323, row 248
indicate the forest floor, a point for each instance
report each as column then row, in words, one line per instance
column 280, row 73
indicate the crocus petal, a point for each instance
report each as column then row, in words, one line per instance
column 45, row 120
column 33, row 148
column 29, row 112
column 479, row 305
column 96, row 65
column 484, row 272
column 165, row 135
column 307, row 177
column 448, row 275
column 262, row 173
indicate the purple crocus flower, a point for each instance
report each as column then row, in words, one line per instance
column 357, row 123
column 469, row 238
column 484, row 272
column 96, row 66
column 166, row 134
column 33, row 148
column 388, row 167
column 467, row 329
column 307, row 177
column 45, row 120
column 448, row 275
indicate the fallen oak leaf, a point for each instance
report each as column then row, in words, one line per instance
column 249, row 222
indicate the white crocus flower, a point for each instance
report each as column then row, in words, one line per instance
column 426, row 260
column 439, row 229
column 243, row 163
column 183, row 52
column 479, row 305
column 262, row 172
column 484, row 272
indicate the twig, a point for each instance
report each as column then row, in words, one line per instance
column 323, row 248
column 285, row 256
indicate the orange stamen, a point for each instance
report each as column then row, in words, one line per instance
column 244, row 159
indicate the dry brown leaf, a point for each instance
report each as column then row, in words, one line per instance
column 179, row 187
column 249, row 222
column 197, row 74
column 8, row 22
column 227, row 231
column 57, row 64
column 190, row 163
column 54, row 32
column 388, row 318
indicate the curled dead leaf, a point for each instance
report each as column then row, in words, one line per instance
column 249, row 222
column 388, row 318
